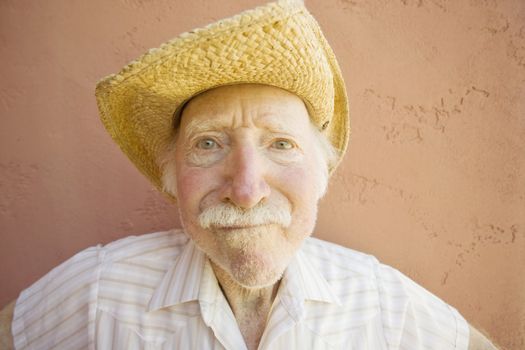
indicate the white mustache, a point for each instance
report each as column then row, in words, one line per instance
column 228, row 215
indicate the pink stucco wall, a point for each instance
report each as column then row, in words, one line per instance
column 433, row 182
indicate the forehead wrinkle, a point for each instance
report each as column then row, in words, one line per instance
column 237, row 120
column 195, row 126
column 271, row 122
column 241, row 112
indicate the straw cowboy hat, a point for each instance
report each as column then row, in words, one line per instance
column 278, row 44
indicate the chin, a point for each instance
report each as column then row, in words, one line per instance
column 257, row 270
column 253, row 257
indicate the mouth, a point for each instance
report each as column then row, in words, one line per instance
column 238, row 227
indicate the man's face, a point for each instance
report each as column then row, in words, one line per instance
column 248, row 171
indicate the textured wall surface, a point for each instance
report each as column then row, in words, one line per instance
column 433, row 182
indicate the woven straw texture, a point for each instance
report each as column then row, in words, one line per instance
column 279, row 44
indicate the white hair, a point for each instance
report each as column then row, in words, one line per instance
column 326, row 154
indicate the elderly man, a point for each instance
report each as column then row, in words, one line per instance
column 242, row 122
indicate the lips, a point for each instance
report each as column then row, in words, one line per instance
column 239, row 227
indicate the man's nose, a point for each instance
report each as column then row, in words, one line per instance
column 246, row 185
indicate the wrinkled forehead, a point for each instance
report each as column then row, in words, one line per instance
column 268, row 106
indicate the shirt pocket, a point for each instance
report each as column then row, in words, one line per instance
column 117, row 332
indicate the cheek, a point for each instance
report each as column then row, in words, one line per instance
column 299, row 185
column 192, row 185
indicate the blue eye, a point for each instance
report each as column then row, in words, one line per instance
column 282, row 144
column 207, row 144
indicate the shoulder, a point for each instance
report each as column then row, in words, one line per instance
column 332, row 253
column 92, row 260
column 87, row 265
column 71, row 290
column 153, row 246
column 338, row 263
column 409, row 315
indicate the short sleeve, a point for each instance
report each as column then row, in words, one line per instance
column 58, row 311
column 414, row 318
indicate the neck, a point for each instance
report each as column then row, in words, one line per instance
column 251, row 306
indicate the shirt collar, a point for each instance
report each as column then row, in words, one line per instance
column 302, row 281
column 191, row 278
column 182, row 280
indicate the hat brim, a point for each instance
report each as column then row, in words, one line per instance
column 279, row 44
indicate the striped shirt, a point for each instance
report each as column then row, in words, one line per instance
column 158, row 291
